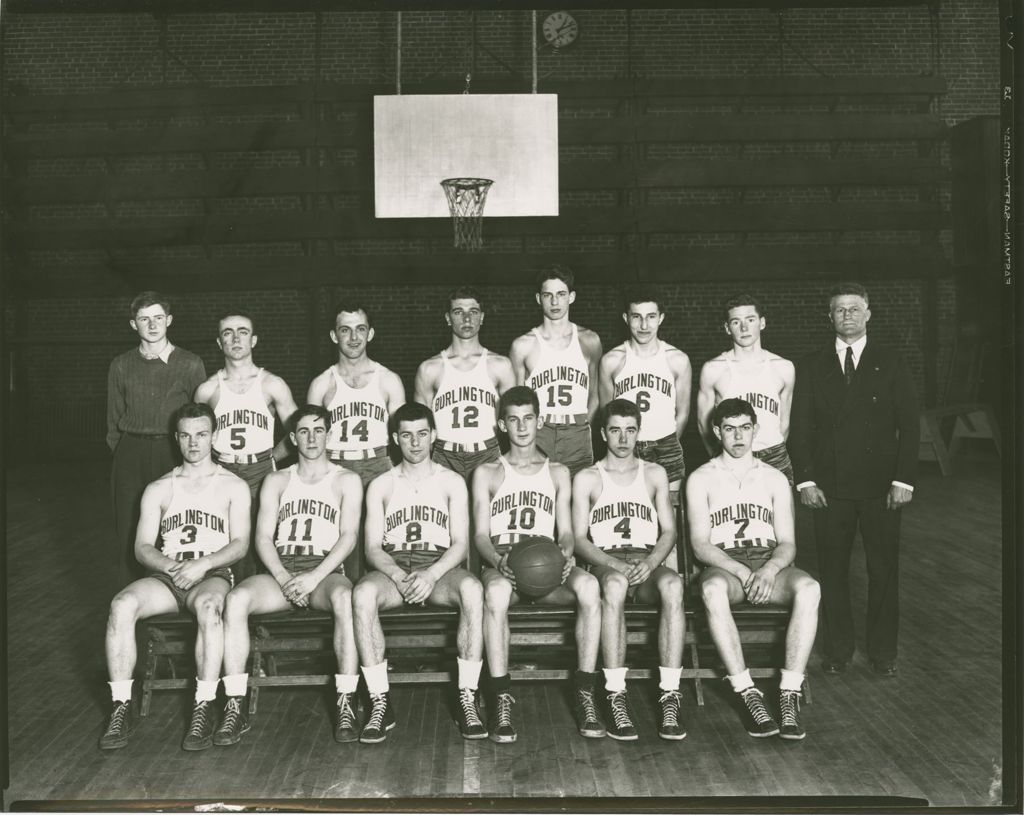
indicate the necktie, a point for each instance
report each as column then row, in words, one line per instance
column 848, row 367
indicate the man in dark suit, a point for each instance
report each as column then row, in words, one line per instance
column 854, row 443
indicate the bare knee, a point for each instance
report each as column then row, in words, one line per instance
column 341, row 601
column 671, row 589
column 209, row 609
column 471, row 594
column 588, row 594
column 497, row 596
column 807, row 591
column 237, row 604
column 715, row 593
column 124, row 610
column 364, row 598
column 614, row 586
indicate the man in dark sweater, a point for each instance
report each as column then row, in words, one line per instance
column 145, row 385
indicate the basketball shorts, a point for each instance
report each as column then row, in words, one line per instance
column 777, row 457
column 411, row 560
column 304, row 563
column 367, row 469
column 753, row 559
column 568, row 444
column 251, row 474
column 667, row 452
column 629, row 555
column 222, row 572
column 463, row 459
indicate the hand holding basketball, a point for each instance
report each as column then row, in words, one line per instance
column 538, row 566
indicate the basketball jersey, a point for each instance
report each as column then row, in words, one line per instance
column 562, row 377
column 308, row 515
column 524, row 505
column 194, row 525
column 741, row 512
column 416, row 519
column 359, row 416
column 762, row 391
column 465, row 406
column 245, row 425
column 651, row 385
column 623, row 517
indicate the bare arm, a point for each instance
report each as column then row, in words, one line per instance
column 377, row 495
column 684, row 384
column 584, row 488
column 425, row 387
column 317, row 393
column 239, row 524
column 563, row 509
column 606, row 373
column 517, row 356
column 483, row 492
column 279, row 397
column 590, row 342
column 266, row 525
column 502, row 373
column 148, row 531
column 394, row 390
column 207, row 392
column 657, row 479
column 348, row 492
column 705, row 404
column 458, row 528
column 788, row 376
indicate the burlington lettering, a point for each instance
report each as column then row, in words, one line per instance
column 523, row 498
column 762, row 401
column 646, row 381
column 363, row 410
column 465, row 393
column 192, row 517
column 307, row 506
column 622, row 509
column 560, row 373
column 742, row 512
column 417, row 512
column 242, row 417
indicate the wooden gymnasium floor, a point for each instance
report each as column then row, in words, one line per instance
column 934, row 733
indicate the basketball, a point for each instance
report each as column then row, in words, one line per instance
column 537, row 564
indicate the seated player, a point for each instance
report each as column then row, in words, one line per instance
column 525, row 495
column 741, row 529
column 625, row 528
column 417, row 538
column 193, row 524
column 307, row 524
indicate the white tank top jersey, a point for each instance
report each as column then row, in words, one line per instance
column 359, row 416
column 416, row 520
column 623, row 517
column 741, row 512
column 562, row 378
column 308, row 516
column 194, row 525
column 466, row 403
column 524, row 505
column 245, row 424
column 762, row 391
column 649, row 382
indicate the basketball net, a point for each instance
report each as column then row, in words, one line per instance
column 466, row 199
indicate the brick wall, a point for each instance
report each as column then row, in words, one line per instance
column 62, row 346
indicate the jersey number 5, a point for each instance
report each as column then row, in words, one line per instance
column 237, row 438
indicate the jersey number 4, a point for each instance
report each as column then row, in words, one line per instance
column 622, row 527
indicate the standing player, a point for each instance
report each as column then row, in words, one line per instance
column 308, row 519
column 360, row 394
column 656, row 376
column 625, row 528
column 144, row 387
column 741, row 529
column 193, row 524
column 245, row 399
column 417, row 537
column 526, row 495
column 461, row 385
column 748, row 372
column 559, row 360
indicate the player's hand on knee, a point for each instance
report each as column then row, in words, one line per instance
column 638, row 572
column 419, row 586
column 505, row 570
column 190, row 573
column 813, row 497
column 761, row 584
column 301, row 586
column 570, row 563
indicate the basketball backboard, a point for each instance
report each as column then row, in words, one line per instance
column 420, row 139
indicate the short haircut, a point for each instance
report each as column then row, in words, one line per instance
column 738, row 300
column 516, row 397
column 411, row 412
column 848, row 288
column 465, row 293
column 146, row 299
column 621, row 407
column 640, row 294
column 309, row 410
column 194, row 410
column 556, row 271
column 351, row 307
column 244, row 314
column 728, row 408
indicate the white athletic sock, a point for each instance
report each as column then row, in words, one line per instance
column 376, row 677
column 121, row 690
column 206, row 690
column 741, row 681
column 790, row 680
column 614, row 679
column 236, row 684
column 346, row 683
column 669, row 678
column 469, row 673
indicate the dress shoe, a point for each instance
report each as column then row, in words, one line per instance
column 884, row 668
column 835, row 666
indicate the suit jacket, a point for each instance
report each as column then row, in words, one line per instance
column 854, row 440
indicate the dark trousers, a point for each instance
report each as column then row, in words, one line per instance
column 138, row 460
column 834, row 530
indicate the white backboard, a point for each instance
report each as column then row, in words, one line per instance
column 420, row 139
